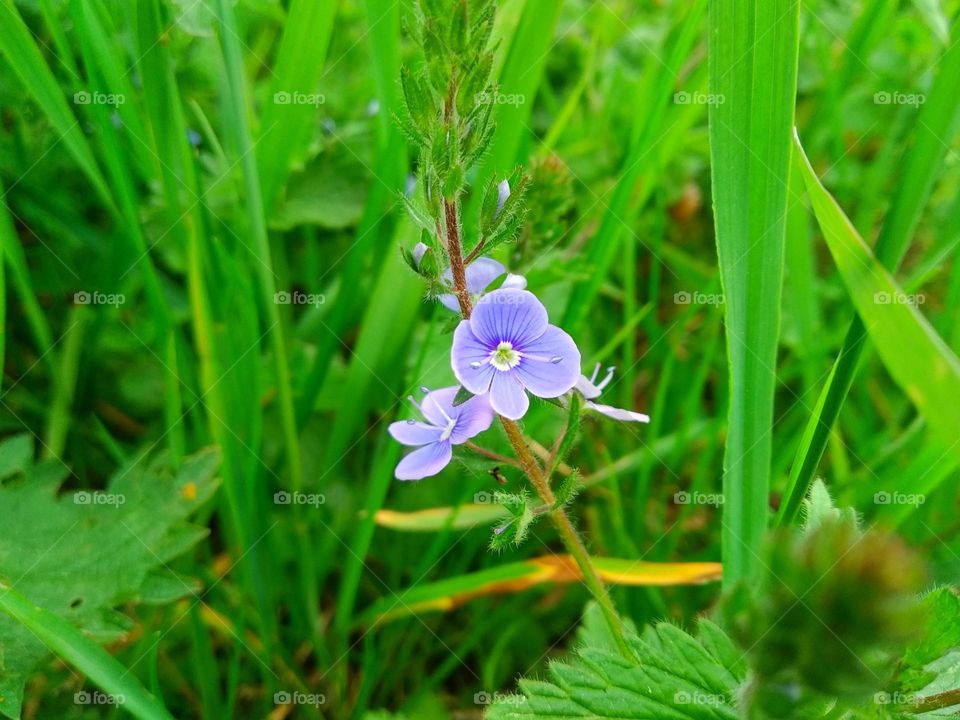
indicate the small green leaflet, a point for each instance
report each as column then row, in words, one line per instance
column 80, row 554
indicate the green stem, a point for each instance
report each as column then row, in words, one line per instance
column 568, row 534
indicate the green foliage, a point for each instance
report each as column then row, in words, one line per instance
column 516, row 528
column 80, row 554
column 753, row 76
column 675, row 675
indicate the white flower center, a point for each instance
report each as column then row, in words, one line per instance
column 448, row 430
column 504, row 357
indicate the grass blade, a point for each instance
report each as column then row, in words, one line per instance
column 70, row 644
column 939, row 118
column 753, row 69
column 26, row 61
column 445, row 595
column 918, row 359
column 286, row 126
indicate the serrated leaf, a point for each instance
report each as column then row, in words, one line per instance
column 676, row 675
column 79, row 554
column 942, row 608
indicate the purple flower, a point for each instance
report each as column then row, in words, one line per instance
column 446, row 425
column 586, row 387
column 507, row 348
column 480, row 273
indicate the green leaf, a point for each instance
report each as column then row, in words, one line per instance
column 676, row 675
column 329, row 192
column 819, row 508
column 942, row 608
column 78, row 555
column 917, row 358
column 936, row 124
column 753, row 75
column 462, row 396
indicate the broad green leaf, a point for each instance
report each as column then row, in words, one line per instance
column 915, row 355
column 445, row 595
column 753, row 80
column 676, row 675
column 79, row 554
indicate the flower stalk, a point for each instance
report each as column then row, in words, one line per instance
column 531, row 468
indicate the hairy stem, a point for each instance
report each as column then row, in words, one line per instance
column 454, row 249
column 568, row 533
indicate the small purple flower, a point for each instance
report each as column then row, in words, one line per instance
column 480, row 273
column 590, row 391
column 446, row 425
column 507, row 348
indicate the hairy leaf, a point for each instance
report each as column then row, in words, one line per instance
column 79, row 554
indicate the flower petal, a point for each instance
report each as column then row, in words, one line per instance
column 587, row 388
column 617, row 413
column 425, row 461
column 549, row 366
column 449, row 301
column 481, row 272
column 467, row 349
column 437, row 406
column 517, row 282
column 514, row 316
column 507, row 396
column 412, row 432
column 475, row 416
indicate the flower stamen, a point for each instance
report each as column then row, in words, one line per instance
column 504, row 357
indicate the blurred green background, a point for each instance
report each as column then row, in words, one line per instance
column 201, row 242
